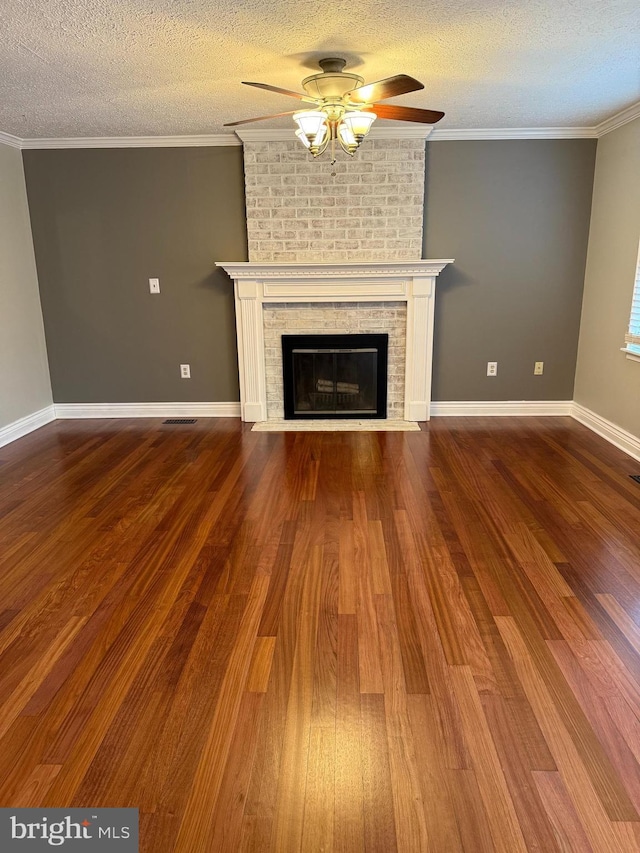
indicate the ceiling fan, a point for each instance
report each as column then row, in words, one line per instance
column 344, row 108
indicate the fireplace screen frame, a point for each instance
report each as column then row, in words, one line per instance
column 333, row 342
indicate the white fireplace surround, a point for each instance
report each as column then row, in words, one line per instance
column 412, row 282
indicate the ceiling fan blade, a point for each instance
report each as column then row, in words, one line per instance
column 382, row 89
column 280, row 91
column 391, row 111
column 259, row 118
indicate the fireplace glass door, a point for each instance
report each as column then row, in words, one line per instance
column 335, row 376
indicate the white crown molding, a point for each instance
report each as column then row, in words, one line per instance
column 501, row 408
column 147, row 410
column 442, row 134
column 274, row 135
column 9, row 139
column 619, row 437
column 23, row 426
column 417, row 131
column 133, row 142
column 618, row 119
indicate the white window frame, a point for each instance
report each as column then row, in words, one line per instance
column 632, row 338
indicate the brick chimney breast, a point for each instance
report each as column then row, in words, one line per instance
column 363, row 208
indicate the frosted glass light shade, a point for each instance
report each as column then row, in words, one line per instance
column 301, row 136
column 346, row 136
column 309, row 122
column 359, row 123
column 320, row 136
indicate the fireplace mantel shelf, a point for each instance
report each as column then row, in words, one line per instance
column 412, row 282
column 380, row 269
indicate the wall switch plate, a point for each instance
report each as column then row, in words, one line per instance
column 492, row 368
column 185, row 371
column 538, row 368
column 154, row 285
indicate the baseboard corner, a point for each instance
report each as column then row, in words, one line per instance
column 29, row 423
column 614, row 434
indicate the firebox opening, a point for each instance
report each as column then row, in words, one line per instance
column 335, row 376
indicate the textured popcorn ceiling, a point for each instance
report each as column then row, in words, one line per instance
column 135, row 67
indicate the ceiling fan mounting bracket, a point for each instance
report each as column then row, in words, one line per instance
column 332, row 64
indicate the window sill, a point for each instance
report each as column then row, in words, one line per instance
column 632, row 356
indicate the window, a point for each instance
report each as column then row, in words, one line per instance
column 632, row 337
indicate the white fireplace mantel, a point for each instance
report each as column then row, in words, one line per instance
column 412, row 282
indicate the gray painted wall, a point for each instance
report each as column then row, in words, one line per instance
column 606, row 381
column 104, row 222
column 515, row 216
column 24, row 374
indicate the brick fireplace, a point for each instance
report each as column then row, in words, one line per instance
column 335, row 249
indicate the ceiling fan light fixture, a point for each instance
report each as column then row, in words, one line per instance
column 320, row 135
column 359, row 123
column 302, row 137
column 346, row 138
column 310, row 123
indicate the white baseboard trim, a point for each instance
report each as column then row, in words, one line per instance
column 614, row 434
column 502, row 408
column 23, row 426
column 611, row 432
column 147, row 410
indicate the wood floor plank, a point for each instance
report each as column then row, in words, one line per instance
column 289, row 813
column 348, row 598
column 36, row 785
column 597, row 826
column 433, row 652
column 570, row 835
column 319, row 802
column 415, row 672
column 621, row 757
column 226, row 820
column 435, row 780
column 349, row 777
column 323, row 712
column 379, row 803
column 176, row 737
column 17, row 700
column 532, row 818
column 471, row 816
column 498, row 803
column 260, row 669
column 196, row 826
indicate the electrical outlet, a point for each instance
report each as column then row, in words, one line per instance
column 492, row 368
column 185, row 371
column 154, row 285
column 538, row 368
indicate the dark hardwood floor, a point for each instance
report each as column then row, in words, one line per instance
column 325, row 641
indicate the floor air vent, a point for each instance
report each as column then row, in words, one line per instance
column 180, row 421
column 635, row 477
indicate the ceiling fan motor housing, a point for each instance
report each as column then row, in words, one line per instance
column 333, row 82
